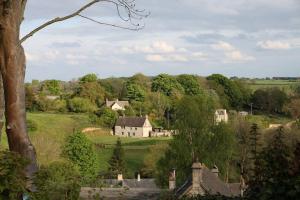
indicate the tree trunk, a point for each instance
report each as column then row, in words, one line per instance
column 1, row 108
column 12, row 60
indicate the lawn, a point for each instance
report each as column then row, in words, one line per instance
column 52, row 129
column 283, row 84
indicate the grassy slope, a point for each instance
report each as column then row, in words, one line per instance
column 283, row 84
column 53, row 129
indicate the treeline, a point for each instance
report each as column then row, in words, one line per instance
column 156, row 96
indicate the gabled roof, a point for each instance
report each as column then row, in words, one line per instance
column 120, row 103
column 131, row 121
column 211, row 185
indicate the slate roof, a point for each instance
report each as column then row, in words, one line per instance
column 120, row 103
column 131, row 121
column 143, row 183
column 211, row 184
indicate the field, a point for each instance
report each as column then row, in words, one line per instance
column 52, row 129
column 283, row 84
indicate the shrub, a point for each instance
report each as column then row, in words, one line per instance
column 80, row 105
column 12, row 178
column 80, row 151
column 59, row 180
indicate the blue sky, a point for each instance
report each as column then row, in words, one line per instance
column 256, row 38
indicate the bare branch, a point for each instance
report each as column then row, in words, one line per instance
column 128, row 5
column 136, row 28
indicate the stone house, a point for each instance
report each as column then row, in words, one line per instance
column 221, row 116
column 116, row 105
column 133, row 127
column 204, row 181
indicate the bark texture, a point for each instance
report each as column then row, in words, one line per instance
column 12, row 61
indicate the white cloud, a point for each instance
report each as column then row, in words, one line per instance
column 155, row 58
column 199, row 56
column 166, row 58
column 155, row 47
column 238, row 56
column 221, row 45
column 274, row 45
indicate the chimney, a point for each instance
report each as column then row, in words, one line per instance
column 138, row 177
column 215, row 170
column 172, row 180
column 197, row 170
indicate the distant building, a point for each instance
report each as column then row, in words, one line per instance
column 116, row 105
column 160, row 132
column 221, row 116
column 52, row 97
column 243, row 113
column 206, row 182
column 133, row 127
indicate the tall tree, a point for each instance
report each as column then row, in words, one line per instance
column 117, row 162
column 13, row 61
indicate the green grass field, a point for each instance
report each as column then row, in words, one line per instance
column 283, row 84
column 52, row 129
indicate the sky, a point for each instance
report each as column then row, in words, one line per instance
column 245, row 38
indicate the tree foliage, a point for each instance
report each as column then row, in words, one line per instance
column 88, row 78
column 190, row 84
column 166, row 84
column 197, row 138
column 59, row 180
column 271, row 100
column 117, row 161
column 80, row 151
column 233, row 92
column 12, row 177
column 81, row 105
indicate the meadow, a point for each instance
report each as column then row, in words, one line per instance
column 286, row 85
column 52, row 130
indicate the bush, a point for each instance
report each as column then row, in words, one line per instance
column 80, row 105
column 31, row 125
column 59, row 180
column 12, row 178
column 80, row 151
column 108, row 117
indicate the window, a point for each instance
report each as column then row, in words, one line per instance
column 135, row 128
column 129, row 134
column 133, row 134
column 122, row 133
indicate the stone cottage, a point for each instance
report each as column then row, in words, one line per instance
column 205, row 181
column 116, row 105
column 133, row 127
column 221, row 116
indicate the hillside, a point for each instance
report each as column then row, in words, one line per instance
column 52, row 129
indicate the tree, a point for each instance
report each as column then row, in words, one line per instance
column 190, row 84
column 51, row 87
column 293, row 108
column 80, row 151
column 134, row 92
column 107, row 117
column 89, row 78
column 224, row 85
column 13, row 62
column 166, row 84
column 81, row 105
column 117, row 161
column 273, row 178
column 59, row 180
column 197, row 138
column 271, row 100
